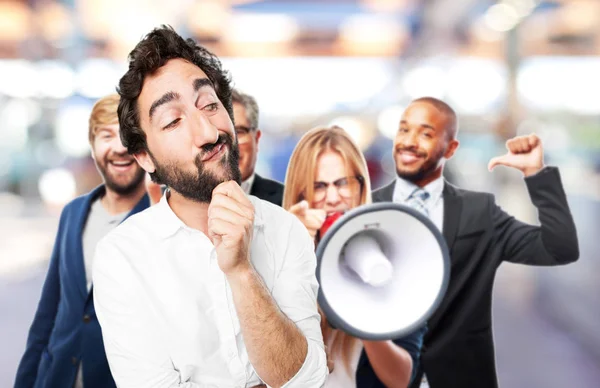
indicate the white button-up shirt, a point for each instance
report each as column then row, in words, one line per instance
column 166, row 309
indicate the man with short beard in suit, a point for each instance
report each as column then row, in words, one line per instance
column 458, row 350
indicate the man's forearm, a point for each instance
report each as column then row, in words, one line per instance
column 276, row 347
column 391, row 363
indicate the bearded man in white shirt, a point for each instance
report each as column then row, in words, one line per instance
column 209, row 287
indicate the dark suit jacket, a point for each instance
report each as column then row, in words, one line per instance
column 458, row 348
column 267, row 189
column 65, row 329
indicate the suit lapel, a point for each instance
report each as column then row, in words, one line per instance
column 385, row 194
column 260, row 190
column 76, row 241
column 452, row 209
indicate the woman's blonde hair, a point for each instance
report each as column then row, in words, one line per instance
column 299, row 185
column 300, row 175
column 103, row 113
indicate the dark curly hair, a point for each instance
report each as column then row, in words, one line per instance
column 151, row 53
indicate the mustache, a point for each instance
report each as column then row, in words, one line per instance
column 120, row 156
column 222, row 139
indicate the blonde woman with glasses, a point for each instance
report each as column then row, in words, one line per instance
column 327, row 174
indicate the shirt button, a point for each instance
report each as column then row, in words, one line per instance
column 74, row 360
column 86, row 318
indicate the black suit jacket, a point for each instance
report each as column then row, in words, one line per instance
column 458, row 348
column 267, row 189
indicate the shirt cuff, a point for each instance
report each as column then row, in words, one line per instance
column 313, row 372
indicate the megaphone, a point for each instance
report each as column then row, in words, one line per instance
column 383, row 270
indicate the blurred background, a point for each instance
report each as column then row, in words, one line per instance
column 508, row 67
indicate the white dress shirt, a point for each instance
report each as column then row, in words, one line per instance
column 166, row 309
column 434, row 204
column 247, row 184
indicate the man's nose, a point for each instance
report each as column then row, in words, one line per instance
column 118, row 147
column 202, row 130
column 409, row 140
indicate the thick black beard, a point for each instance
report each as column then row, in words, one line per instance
column 199, row 187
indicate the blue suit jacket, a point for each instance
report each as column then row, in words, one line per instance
column 65, row 329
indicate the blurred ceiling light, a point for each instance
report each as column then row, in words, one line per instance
column 483, row 32
column 260, row 28
column 313, row 85
column 18, row 78
column 126, row 22
column 561, row 84
column 71, row 129
column 372, row 35
column 97, row 77
column 55, row 21
column 388, row 121
column 425, row 80
column 17, row 116
column 57, row 186
column 583, row 93
column 56, row 79
column 522, row 7
column 501, row 17
column 539, row 86
column 387, row 5
column 15, row 21
column 362, row 134
column 475, row 85
column 208, row 18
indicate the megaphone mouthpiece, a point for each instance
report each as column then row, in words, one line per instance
column 363, row 255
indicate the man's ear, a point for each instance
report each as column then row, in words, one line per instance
column 145, row 161
column 257, row 135
column 451, row 149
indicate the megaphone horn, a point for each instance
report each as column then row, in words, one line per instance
column 383, row 269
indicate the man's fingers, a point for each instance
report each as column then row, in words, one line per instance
column 233, row 190
column 225, row 214
column 224, row 201
column 219, row 227
column 533, row 140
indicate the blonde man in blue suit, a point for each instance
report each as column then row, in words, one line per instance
column 64, row 347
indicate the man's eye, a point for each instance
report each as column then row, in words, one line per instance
column 212, row 107
column 172, row 123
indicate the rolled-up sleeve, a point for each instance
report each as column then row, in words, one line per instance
column 295, row 291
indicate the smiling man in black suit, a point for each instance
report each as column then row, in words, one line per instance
column 245, row 113
column 458, row 349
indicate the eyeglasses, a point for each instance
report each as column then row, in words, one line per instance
column 346, row 187
column 243, row 134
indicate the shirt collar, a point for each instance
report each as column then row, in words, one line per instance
column 404, row 188
column 168, row 223
column 247, row 184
